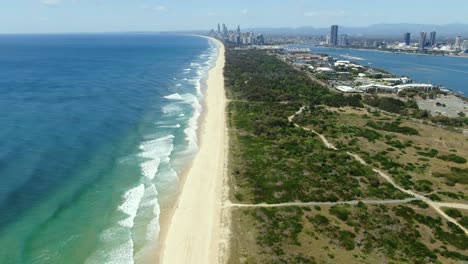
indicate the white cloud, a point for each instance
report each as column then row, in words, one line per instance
column 244, row 11
column 325, row 13
column 159, row 8
column 51, row 2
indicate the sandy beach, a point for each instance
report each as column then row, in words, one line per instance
column 195, row 232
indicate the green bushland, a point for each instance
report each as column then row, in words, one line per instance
column 464, row 221
column 393, row 127
column 391, row 231
column 432, row 153
column 330, row 124
column 453, row 158
column 456, row 175
column 277, row 162
column 272, row 161
column 389, row 104
column 410, row 108
column 450, row 121
column 454, row 213
column 458, row 196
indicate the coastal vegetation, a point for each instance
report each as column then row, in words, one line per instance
column 275, row 157
column 419, row 156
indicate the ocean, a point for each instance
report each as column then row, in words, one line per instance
column 95, row 130
column 450, row 72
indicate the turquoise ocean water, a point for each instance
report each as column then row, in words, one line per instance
column 94, row 131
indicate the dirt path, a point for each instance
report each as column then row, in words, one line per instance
column 437, row 206
column 354, row 202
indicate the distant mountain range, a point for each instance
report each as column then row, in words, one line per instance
column 448, row 30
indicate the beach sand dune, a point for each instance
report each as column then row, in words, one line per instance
column 194, row 232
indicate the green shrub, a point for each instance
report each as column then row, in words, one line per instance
column 347, row 239
column 392, row 127
column 432, row 153
column 457, row 175
column 452, row 158
column 452, row 212
column 341, row 211
column 321, row 220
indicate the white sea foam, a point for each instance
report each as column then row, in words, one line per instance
column 116, row 252
column 191, row 130
column 174, row 96
column 151, row 196
column 151, row 200
column 132, row 199
column 178, row 85
column 150, row 168
column 153, row 228
column 174, row 126
column 172, row 109
column 157, row 151
column 157, row 148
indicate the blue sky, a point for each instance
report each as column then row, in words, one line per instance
column 20, row 16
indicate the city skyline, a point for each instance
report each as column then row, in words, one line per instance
column 54, row 16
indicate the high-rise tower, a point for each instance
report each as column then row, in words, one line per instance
column 407, row 38
column 432, row 39
column 422, row 40
column 343, row 40
column 334, row 35
column 458, row 42
column 225, row 31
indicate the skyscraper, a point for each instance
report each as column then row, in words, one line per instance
column 334, row 35
column 225, row 31
column 343, row 40
column 422, row 40
column 219, row 29
column 465, row 45
column 432, row 40
column 260, row 39
column 458, row 42
column 407, row 38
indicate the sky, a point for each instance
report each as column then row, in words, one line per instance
column 53, row 16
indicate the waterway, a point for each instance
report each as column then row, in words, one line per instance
column 450, row 72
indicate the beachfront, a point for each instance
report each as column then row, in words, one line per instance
column 195, row 230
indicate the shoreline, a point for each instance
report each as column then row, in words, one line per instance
column 168, row 208
column 459, row 93
column 190, row 230
column 397, row 52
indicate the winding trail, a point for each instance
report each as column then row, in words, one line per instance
column 437, row 206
